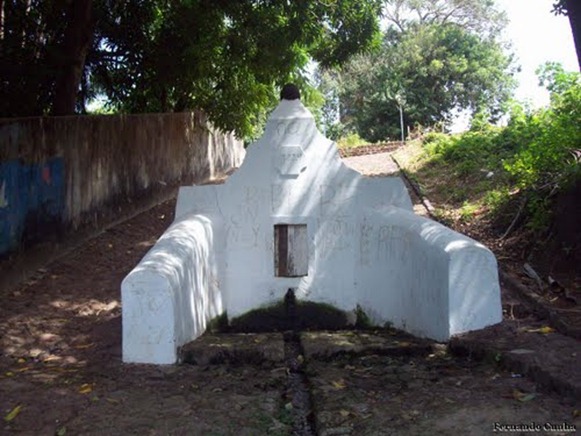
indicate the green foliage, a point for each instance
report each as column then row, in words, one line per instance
column 469, row 153
column 434, row 138
column 350, row 140
column 480, row 17
column 427, row 70
column 468, row 210
column 497, row 197
column 336, row 131
column 362, row 320
column 547, row 162
column 537, row 152
column 553, row 135
column 31, row 33
column 218, row 323
column 228, row 58
column 328, row 82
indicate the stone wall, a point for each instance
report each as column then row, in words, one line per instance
column 59, row 174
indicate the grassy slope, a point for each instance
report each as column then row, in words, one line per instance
column 475, row 195
column 459, row 196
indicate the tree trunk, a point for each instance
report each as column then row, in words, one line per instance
column 574, row 13
column 77, row 40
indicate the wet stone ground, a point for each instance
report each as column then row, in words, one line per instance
column 379, row 382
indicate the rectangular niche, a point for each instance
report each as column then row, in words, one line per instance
column 291, row 254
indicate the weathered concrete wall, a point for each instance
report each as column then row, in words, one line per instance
column 60, row 173
column 31, row 200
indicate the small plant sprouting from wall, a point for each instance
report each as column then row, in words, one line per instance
column 362, row 320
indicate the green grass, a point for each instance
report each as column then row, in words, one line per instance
column 463, row 179
column 491, row 171
column 352, row 140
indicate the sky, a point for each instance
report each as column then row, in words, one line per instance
column 537, row 36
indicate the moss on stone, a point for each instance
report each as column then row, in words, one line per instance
column 218, row 324
column 308, row 315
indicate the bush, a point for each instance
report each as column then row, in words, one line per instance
column 350, row 140
column 432, row 137
column 469, row 152
column 545, row 161
column 538, row 152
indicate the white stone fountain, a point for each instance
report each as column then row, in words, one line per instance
column 294, row 216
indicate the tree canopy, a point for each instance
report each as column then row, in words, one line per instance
column 436, row 57
column 476, row 16
column 224, row 57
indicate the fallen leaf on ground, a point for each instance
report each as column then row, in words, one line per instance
column 544, row 330
column 338, row 384
column 13, row 413
column 344, row 413
column 86, row 388
column 522, row 396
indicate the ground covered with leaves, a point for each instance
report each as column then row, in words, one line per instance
column 61, row 371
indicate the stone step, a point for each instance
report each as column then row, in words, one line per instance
column 549, row 358
column 234, row 348
column 328, row 345
column 268, row 348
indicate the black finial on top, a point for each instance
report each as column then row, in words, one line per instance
column 290, row 92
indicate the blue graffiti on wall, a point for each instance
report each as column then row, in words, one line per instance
column 31, row 200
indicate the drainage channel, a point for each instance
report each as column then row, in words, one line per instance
column 299, row 401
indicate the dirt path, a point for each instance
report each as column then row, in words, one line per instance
column 373, row 164
column 61, row 370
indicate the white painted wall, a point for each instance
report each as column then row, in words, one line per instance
column 169, row 297
column 423, row 277
column 292, row 175
column 365, row 246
